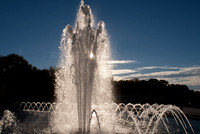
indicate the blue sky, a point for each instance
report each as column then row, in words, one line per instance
column 149, row 38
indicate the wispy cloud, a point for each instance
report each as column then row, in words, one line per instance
column 177, row 75
column 156, row 67
column 122, row 61
column 190, row 81
column 122, row 71
column 177, row 72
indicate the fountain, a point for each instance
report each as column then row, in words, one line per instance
column 84, row 101
column 83, row 78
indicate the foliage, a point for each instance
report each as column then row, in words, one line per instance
column 20, row 81
column 154, row 91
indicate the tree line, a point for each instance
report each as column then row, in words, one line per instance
column 155, row 91
column 22, row 82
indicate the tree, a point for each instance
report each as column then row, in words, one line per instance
column 20, row 81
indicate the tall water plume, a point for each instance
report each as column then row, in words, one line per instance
column 83, row 76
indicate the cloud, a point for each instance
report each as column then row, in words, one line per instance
column 177, row 72
column 122, row 61
column 191, row 81
column 117, row 78
column 156, row 67
column 177, row 75
column 115, row 72
column 122, row 71
column 154, row 74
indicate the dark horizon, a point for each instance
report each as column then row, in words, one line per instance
column 22, row 82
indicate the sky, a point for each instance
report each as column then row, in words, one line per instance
column 149, row 38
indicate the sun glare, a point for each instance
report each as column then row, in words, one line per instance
column 91, row 55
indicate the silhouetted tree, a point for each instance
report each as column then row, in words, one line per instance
column 154, row 91
column 20, row 81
